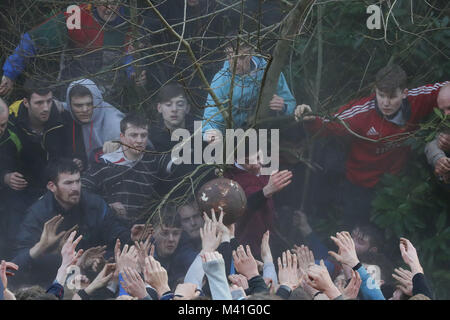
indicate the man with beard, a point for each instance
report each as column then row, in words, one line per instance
column 52, row 218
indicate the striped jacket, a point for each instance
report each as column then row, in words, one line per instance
column 386, row 151
column 134, row 184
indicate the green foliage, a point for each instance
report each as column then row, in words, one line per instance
column 414, row 205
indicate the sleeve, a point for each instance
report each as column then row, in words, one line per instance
column 369, row 289
column 91, row 179
column 1, row 291
column 218, row 283
column 424, row 99
column 284, row 92
column 29, row 234
column 420, row 285
column 212, row 117
column 15, row 63
column 50, row 35
column 225, row 250
column 57, row 290
column 433, row 153
column 284, row 292
column 342, row 122
column 257, row 285
column 195, row 272
column 270, row 272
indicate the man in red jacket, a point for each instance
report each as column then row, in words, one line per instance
column 377, row 126
column 259, row 190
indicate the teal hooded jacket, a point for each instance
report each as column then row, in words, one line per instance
column 245, row 95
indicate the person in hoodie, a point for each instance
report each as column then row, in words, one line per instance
column 89, row 122
column 246, row 85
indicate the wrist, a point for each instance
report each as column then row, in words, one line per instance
column 161, row 290
column 416, row 268
column 37, row 250
column 267, row 191
column 332, row 292
column 90, row 289
column 355, row 264
column 252, row 275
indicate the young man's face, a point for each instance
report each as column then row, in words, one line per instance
column 191, row 221
column 82, row 108
column 251, row 166
column 174, row 111
column 39, row 107
column 135, row 137
column 361, row 240
column 67, row 189
column 390, row 103
column 108, row 10
column 166, row 240
column 243, row 61
column 3, row 121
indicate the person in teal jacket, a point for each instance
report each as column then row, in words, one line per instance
column 247, row 83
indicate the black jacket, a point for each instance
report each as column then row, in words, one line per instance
column 10, row 147
column 38, row 150
column 96, row 222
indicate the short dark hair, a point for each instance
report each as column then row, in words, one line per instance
column 168, row 217
column 170, row 91
column 232, row 38
column 40, row 87
column 134, row 119
column 391, row 78
column 63, row 165
column 79, row 91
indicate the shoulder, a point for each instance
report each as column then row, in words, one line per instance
column 357, row 108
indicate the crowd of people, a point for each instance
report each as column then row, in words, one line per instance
column 93, row 206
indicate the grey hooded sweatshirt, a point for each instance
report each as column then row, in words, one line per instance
column 105, row 123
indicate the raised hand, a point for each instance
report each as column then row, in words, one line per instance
column 305, row 258
column 277, row 181
column 141, row 231
column 92, row 258
column 444, row 141
column 133, row 283
column 244, row 262
column 347, row 252
column 287, row 270
column 69, row 255
column 156, row 276
column 127, row 258
column 144, row 249
column 266, row 253
column 319, row 279
column 404, row 278
column 48, row 237
column 5, row 271
column 102, row 278
column 409, row 255
column 238, row 280
column 352, row 289
column 210, row 235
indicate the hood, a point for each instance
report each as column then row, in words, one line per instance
column 105, row 123
column 258, row 65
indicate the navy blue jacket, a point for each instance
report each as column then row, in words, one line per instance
column 96, row 222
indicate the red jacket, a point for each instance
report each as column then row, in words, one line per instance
column 251, row 227
column 367, row 161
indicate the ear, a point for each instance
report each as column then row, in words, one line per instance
column 26, row 103
column 51, row 186
column 405, row 93
column 158, row 106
